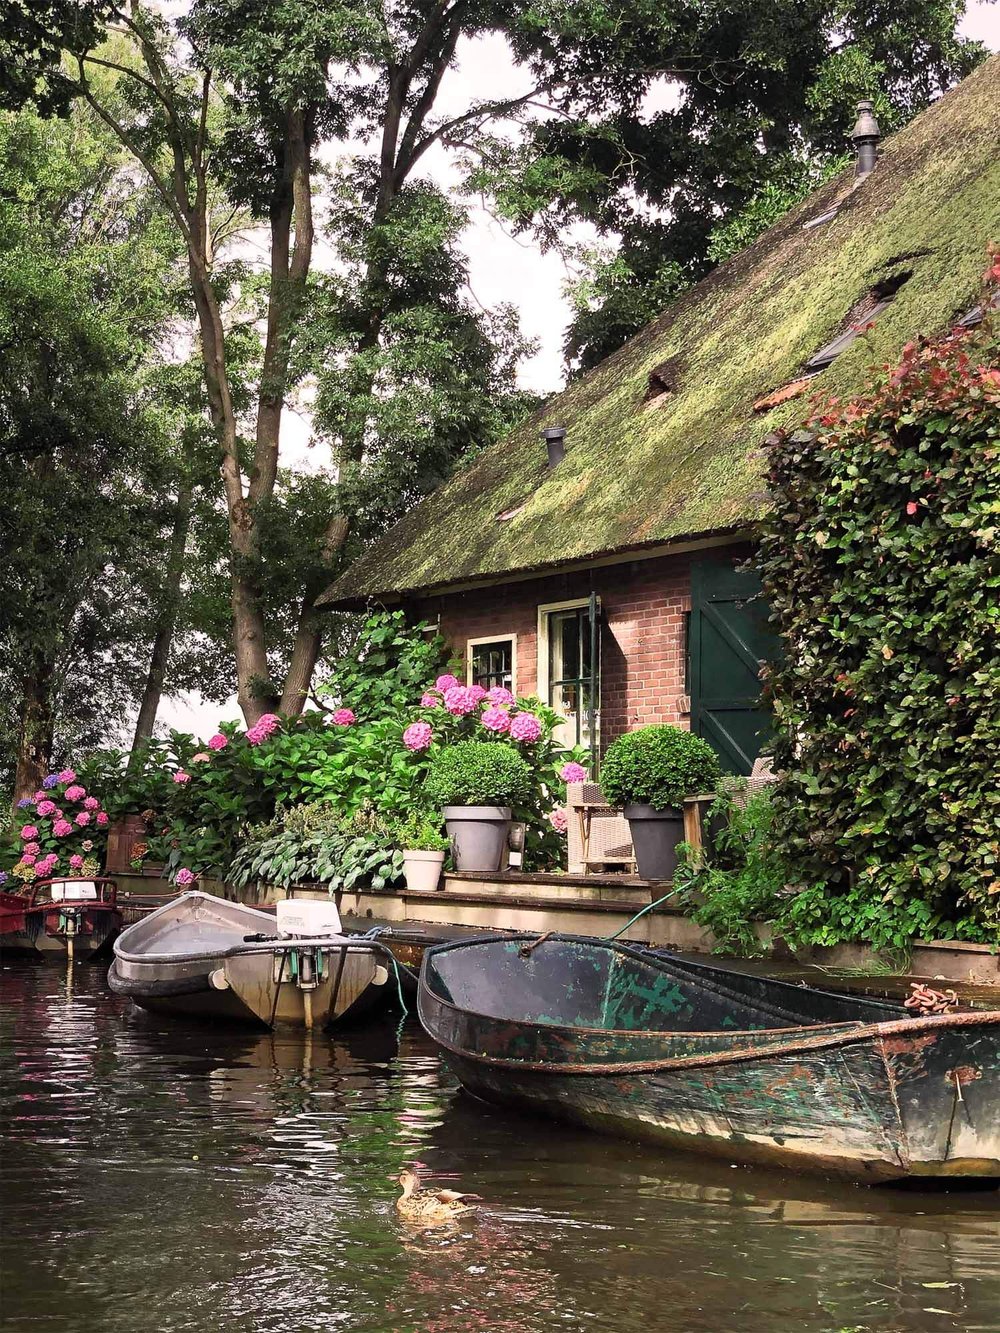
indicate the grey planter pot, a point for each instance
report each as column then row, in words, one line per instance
column 655, row 835
column 478, row 835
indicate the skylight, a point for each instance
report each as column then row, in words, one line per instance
column 864, row 312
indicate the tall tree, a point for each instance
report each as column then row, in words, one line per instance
column 84, row 287
column 254, row 99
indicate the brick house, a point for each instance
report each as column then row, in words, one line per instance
column 601, row 555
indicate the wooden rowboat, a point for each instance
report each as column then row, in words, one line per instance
column 203, row 956
column 70, row 917
column 655, row 1047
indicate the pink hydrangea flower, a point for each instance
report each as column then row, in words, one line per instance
column 40, row 796
column 102, row 819
column 459, row 701
column 28, row 858
column 62, row 827
column 29, row 833
column 255, row 736
column 572, row 772
column 500, row 696
column 525, row 727
column 75, row 793
column 32, row 848
column 67, row 775
column 185, row 876
column 47, row 863
column 269, row 723
column 496, row 719
column 82, row 819
column 181, row 777
column 91, row 803
column 558, row 819
column 343, row 717
column 202, row 757
column 218, row 741
column 418, row 736
column 445, row 682
column 477, row 694
column 429, row 700
column 76, row 862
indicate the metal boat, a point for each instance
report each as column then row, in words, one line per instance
column 656, row 1047
column 71, row 917
column 204, row 956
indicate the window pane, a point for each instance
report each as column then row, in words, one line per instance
column 493, row 664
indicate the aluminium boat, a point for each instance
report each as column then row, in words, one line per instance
column 655, row 1047
column 206, row 957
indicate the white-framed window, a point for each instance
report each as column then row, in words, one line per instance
column 492, row 661
column 568, row 677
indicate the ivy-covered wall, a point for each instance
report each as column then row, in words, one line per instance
column 881, row 560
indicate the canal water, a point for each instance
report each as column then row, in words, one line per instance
column 161, row 1178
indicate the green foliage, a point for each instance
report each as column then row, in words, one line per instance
column 312, row 844
column 479, row 773
column 658, row 766
column 388, row 664
column 881, row 562
column 418, row 833
column 741, row 879
column 782, row 191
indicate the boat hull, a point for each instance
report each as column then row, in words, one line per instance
column 48, row 929
column 872, row 1101
column 204, row 957
column 345, row 982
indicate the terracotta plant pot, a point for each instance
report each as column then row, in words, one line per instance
column 478, row 836
column 123, row 835
column 422, row 870
column 655, row 835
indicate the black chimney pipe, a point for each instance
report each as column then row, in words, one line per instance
column 555, row 442
column 865, row 136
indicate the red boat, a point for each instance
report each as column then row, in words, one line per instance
column 71, row 916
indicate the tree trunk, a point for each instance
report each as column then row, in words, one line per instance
column 34, row 739
column 166, row 621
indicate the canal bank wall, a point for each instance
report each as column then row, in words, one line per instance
column 600, row 905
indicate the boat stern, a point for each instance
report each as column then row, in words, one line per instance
column 945, row 1077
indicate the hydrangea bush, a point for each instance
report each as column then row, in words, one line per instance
column 366, row 756
column 59, row 830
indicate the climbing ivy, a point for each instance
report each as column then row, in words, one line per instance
column 881, row 560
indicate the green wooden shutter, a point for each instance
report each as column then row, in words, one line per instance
column 729, row 638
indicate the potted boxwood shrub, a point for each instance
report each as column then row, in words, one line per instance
column 648, row 773
column 477, row 783
column 423, row 846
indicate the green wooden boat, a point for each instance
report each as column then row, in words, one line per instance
column 655, row 1047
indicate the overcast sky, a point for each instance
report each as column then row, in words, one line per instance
column 501, row 268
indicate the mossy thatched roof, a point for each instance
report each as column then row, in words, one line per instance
column 635, row 475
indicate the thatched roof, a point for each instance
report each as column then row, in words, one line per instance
column 639, row 474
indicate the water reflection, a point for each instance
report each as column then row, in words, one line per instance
column 173, row 1178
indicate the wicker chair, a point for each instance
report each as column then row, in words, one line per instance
column 597, row 833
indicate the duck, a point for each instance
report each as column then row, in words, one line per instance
column 430, row 1206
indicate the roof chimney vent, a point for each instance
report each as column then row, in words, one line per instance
column 865, row 136
column 555, row 442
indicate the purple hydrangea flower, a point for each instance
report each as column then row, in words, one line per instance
column 24, row 802
column 3, row 877
column 51, row 781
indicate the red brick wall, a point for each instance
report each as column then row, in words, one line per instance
column 642, row 645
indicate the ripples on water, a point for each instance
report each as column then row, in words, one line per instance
column 166, row 1178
